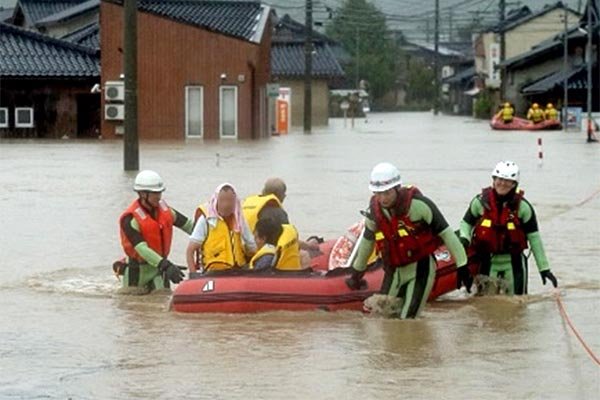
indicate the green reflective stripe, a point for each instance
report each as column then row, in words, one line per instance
column 188, row 227
column 525, row 212
column 411, row 288
column 148, row 277
column 466, row 230
column 365, row 249
column 419, row 211
column 149, row 255
column 454, row 246
column 537, row 248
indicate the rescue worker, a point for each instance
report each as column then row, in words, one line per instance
column 146, row 230
column 269, row 204
column 266, row 235
column 221, row 239
column 535, row 114
column 550, row 113
column 405, row 227
column 506, row 113
column 499, row 224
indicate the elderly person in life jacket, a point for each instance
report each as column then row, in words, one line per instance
column 221, row 239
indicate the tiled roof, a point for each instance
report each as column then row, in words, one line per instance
column 242, row 19
column 71, row 12
column 30, row 54
column 88, row 36
column 287, row 60
column 35, row 10
column 290, row 30
column 550, row 7
column 466, row 74
column 576, row 79
column 6, row 14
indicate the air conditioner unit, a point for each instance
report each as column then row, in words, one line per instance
column 114, row 112
column 114, row 91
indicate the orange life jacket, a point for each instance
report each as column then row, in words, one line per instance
column 156, row 232
column 401, row 241
column 499, row 231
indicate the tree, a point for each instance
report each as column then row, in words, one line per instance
column 420, row 88
column 361, row 29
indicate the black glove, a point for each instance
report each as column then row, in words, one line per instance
column 170, row 271
column 547, row 274
column 464, row 278
column 356, row 281
column 119, row 267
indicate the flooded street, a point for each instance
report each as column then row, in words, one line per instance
column 66, row 333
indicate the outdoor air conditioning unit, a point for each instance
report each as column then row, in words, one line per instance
column 114, row 91
column 114, row 112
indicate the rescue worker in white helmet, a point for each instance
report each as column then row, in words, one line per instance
column 500, row 224
column 146, row 230
column 405, row 227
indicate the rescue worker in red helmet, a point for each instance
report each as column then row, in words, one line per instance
column 146, row 230
column 500, row 224
column 405, row 227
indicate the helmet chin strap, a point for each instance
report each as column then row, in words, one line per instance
column 144, row 200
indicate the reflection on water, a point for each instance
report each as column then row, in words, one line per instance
column 66, row 332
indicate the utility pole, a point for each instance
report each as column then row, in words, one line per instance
column 308, row 49
column 588, row 54
column 357, row 56
column 436, row 100
column 565, row 68
column 450, row 16
column 130, row 139
column 502, row 45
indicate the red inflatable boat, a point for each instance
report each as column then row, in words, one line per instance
column 520, row 124
column 316, row 289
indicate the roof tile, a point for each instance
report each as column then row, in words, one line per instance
column 29, row 54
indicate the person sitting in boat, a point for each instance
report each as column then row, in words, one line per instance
column 406, row 228
column 535, row 114
column 221, row 239
column 269, row 204
column 499, row 224
column 146, row 229
column 550, row 113
column 279, row 241
column 506, row 113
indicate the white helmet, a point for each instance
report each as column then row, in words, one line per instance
column 384, row 176
column 506, row 170
column 148, row 181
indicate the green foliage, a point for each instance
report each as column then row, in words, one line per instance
column 483, row 105
column 361, row 29
column 420, row 83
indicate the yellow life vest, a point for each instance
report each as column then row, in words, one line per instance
column 289, row 249
column 253, row 205
column 266, row 249
column 223, row 248
column 507, row 113
column 551, row 113
column 537, row 115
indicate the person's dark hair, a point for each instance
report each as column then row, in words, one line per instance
column 269, row 230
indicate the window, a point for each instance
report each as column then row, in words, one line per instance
column 228, row 112
column 3, row 117
column 24, row 117
column 194, row 111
